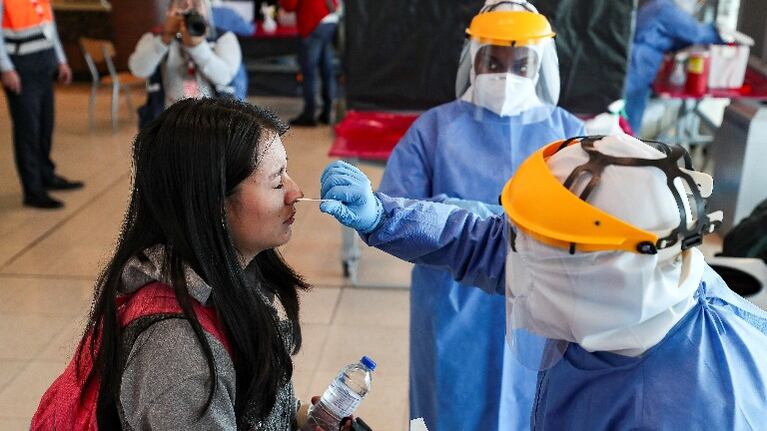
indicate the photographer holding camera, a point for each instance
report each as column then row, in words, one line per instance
column 188, row 56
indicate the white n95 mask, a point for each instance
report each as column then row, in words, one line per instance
column 506, row 94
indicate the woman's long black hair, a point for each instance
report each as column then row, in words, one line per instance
column 186, row 162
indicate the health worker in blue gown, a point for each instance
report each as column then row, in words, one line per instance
column 662, row 26
column 466, row 150
column 596, row 256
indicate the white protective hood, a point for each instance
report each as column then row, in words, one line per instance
column 611, row 301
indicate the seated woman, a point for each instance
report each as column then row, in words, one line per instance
column 195, row 317
column 190, row 65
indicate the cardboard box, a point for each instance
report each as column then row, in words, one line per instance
column 729, row 62
column 728, row 66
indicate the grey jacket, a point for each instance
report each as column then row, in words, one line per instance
column 165, row 382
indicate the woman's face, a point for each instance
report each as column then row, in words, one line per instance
column 261, row 210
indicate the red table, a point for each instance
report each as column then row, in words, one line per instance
column 754, row 87
column 281, row 31
column 369, row 135
column 365, row 137
column 690, row 118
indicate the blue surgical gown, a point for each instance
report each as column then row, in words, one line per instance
column 708, row 373
column 459, row 381
column 661, row 27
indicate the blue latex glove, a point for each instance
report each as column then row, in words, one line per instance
column 353, row 202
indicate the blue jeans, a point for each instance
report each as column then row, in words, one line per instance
column 317, row 51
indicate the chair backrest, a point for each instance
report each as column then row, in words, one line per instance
column 97, row 51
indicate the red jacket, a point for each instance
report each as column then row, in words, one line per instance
column 309, row 13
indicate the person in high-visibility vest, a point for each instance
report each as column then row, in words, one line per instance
column 30, row 56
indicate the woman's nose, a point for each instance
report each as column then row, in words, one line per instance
column 294, row 192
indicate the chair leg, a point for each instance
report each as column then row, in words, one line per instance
column 115, row 105
column 92, row 105
column 128, row 101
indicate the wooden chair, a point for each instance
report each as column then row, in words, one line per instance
column 97, row 52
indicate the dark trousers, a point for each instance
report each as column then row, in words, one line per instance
column 317, row 51
column 32, row 118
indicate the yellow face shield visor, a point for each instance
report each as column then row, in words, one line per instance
column 541, row 206
column 510, row 28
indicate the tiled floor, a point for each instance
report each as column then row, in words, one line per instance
column 49, row 260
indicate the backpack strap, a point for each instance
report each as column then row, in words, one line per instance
column 69, row 405
column 159, row 298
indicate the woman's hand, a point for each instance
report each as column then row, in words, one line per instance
column 346, row 423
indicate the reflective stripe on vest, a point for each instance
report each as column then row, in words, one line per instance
column 23, row 14
column 28, row 47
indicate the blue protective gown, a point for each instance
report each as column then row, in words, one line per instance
column 709, row 372
column 661, row 27
column 459, row 381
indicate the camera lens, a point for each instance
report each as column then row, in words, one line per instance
column 195, row 23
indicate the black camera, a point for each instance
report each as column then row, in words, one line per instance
column 195, row 23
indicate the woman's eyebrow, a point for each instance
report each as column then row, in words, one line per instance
column 278, row 173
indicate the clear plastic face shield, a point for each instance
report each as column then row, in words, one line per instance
column 543, row 75
column 606, row 294
column 537, row 346
column 504, row 81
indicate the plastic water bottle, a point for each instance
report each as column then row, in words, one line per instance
column 342, row 397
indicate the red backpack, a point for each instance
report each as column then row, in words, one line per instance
column 61, row 407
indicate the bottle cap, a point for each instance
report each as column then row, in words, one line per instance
column 366, row 361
